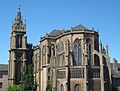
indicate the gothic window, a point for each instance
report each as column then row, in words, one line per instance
column 61, row 87
column 104, row 60
column 43, row 55
column 77, row 88
column 77, row 53
column 19, row 41
column 68, row 52
column 89, row 51
column 96, row 60
column 60, row 53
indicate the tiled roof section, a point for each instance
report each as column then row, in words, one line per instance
column 56, row 33
column 79, row 27
column 3, row 67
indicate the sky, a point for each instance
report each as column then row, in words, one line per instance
column 43, row 16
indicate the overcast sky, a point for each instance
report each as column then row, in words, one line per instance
column 43, row 16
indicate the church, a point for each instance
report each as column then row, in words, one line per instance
column 68, row 60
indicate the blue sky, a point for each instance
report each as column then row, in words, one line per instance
column 43, row 16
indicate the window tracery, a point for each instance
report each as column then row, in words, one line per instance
column 77, row 53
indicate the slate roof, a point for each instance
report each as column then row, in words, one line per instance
column 3, row 67
column 56, row 33
column 80, row 27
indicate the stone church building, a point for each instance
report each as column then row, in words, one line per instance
column 68, row 60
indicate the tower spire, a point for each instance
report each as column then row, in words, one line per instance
column 18, row 17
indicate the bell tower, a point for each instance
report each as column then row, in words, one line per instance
column 20, row 53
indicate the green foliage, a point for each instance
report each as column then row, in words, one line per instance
column 14, row 88
column 49, row 87
column 28, row 79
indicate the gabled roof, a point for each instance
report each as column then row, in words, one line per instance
column 3, row 67
column 56, row 33
column 79, row 27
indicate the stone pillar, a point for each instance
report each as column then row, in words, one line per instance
column 86, row 68
column 102, row 73
column 14, row 41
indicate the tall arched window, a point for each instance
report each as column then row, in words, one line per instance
column 60, row 52
column 68, row 52
column 77, row 53
column 104, row 61
column 96, row 60
column 89, row 51
column 19, row 41
column 43, row 55
column 61, row 87
column 77, row 88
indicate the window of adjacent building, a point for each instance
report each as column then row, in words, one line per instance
column 43, row 55
column 0, row 84
column 61, row 87
column 77, row 53
column 77, row 88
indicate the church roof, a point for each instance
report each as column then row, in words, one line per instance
column 3, row 67
column 80, row 27
column 56, row 33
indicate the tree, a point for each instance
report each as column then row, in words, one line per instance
column 49, row 87
column 28, row 79
column 14, row 88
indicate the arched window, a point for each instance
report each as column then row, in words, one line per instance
column 77, row 88
column 77, row 53
column 61, row 87
column 60, row 52
column 96, row 60
column 89, row 51
column 19, row 41
column 43, row 55
column 68, row 52
column 104, row 60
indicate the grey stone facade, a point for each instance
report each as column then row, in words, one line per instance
column 3, row 77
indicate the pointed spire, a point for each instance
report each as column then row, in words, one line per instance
column 100, row 46
column 19, row 24
column 92, row 28
column 107, row 49
column 18, row 17
column 19, row 8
